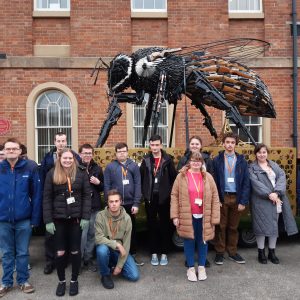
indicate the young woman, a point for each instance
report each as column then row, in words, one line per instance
column 268, row 200
column 195, row 210
column 195, row 145
column 66, row 210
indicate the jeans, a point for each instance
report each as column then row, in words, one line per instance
column 88, row 239
column 189, row 245
column 108, row 258
column 14, row 240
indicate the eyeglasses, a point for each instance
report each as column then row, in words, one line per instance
column 195, row 161
column 11, row 149
column 87, row 153
column 122, row 151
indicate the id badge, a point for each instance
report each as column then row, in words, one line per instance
column 230, row 179
column 155, row 180
column 198, row 201
column 70, row 200
column 125, row 181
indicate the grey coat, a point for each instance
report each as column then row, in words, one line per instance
column 264, row 213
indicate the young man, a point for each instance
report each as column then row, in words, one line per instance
column 20, row 210
column 86, row 152
column 158, row 174
column 60, row 142
column 113, row 232
column 232, row 178
column 123, row 174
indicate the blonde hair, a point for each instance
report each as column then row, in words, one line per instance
column 60, row 175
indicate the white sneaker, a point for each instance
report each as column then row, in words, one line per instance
column 201, row 273
column 164, row 260
column 191, row 274
column 154, row 260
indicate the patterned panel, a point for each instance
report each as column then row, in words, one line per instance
column 285, row 157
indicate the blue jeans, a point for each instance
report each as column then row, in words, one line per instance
column 189, row 245
column 14, row 240
column 88, row 239
column 108, row 258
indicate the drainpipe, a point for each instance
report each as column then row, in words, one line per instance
column 295, row 77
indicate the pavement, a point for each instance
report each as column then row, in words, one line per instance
column 229, row 281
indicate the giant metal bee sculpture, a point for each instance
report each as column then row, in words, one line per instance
column 212, row 74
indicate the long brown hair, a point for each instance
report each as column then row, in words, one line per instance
column 60, row 175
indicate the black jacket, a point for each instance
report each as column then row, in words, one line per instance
column 167, row 175
column 55, row 198
column 95, row 170
column 208, row 161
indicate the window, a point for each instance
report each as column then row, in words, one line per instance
column 254, row 124
column 139, row 112
column 245, row 6
column 49, row 5
column 53, row 114
column 149, row 5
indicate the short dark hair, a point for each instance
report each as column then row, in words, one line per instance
column 155, row 137
column 121, row 146
column 196, row 137
column 1, row 147
column 24, row 149
column 230, row 135
column 112, row 193
column 59, row 133
column 86, row 146
column 12, row 140
column 258, row 147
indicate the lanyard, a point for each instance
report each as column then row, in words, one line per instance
column 157, row 167
column 113, row 231
column 229, row 168
column 69, row 185
column 196, row 186
column 124, row 172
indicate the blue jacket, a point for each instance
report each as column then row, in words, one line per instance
column 242, row 179
column 131, row 193
column 20, row 192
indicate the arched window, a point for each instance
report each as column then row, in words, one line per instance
column 53, row 113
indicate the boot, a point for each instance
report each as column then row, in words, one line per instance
column 261, row 256
column 272, row 257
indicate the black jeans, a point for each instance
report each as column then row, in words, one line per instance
column 158, row 217
column 68, row 232
column 133, row 232
column 49, row 248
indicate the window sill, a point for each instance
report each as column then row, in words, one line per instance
column 149, row 15
column 244, row 15
column 51, row 14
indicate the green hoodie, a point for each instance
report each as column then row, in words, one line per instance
column 121, row 225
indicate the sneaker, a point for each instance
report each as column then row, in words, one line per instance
column 26, row 287
column 201, row 273
column 219, row 259
column 237, row 258
column 90, row 265
column 137, row 262
column 154, row 260
column 191, row 274
column 107, row 282
column 4, row 290
column 49, row 267
column 73, row 291
column 163, row 260
column 61, row 288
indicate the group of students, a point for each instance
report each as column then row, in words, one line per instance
column 204, row 198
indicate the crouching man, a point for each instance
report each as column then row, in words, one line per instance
column 112, row 236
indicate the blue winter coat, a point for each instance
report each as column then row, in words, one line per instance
column 131, row 193
column 242, row 179
column 20, row 192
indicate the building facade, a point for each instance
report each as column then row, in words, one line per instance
column 49, row 47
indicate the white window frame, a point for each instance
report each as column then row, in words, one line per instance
column 166, row 127
column 250, row 124
column 58, row 127
column 246, row 11
column 149, row 10
column 36, row 8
